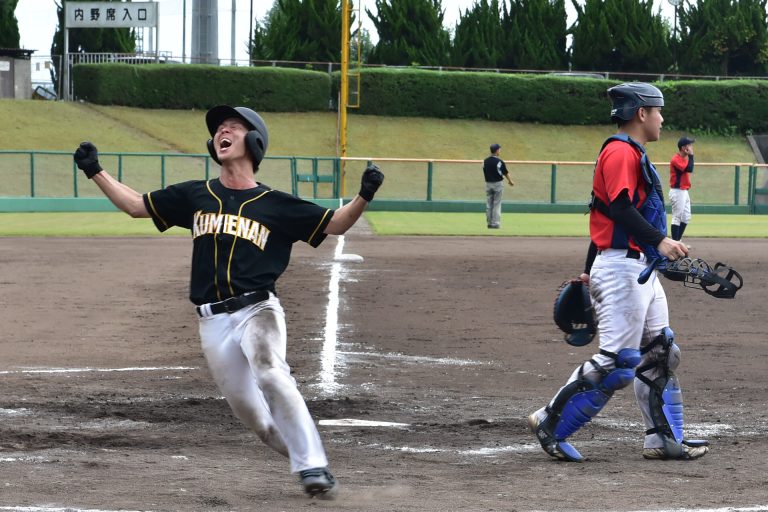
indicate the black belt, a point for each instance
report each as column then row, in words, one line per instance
column 237, row 303
column 631, row 253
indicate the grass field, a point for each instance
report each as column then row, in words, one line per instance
column 382, row 223
column 60, row 126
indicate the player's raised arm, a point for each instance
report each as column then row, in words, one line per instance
column 124, row 197
column 346, row 216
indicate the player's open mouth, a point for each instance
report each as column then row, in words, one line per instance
column 225, row 143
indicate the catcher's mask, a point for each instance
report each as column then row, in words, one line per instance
column 574, row 313
column 257, row 138
column 720, row 281
column 627, row 98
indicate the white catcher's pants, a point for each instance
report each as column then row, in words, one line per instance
column 246, row 352
column 629, row 315
column 680, row 203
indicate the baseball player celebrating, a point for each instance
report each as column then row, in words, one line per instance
column 627, row 224
column 680, row 169
column 242, row 235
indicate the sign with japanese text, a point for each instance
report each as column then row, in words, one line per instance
column 111, row 14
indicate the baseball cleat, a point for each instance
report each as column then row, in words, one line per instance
column 688, row 453
column 319, row 483
column 560, row 450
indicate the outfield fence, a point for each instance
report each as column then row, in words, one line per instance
column 50, row 181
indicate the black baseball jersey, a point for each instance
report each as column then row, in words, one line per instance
column 494, row 169
column 242, row 239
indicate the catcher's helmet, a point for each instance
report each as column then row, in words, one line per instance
column 257, row 138
column 627, row 98
column 573, row 313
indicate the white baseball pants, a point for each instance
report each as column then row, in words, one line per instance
column 680, row 202
column 629, row 315
column 246, row 353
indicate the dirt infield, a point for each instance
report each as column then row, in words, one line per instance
column 107, row 403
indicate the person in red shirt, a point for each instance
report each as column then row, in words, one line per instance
column 680, row 169
column 636, row 344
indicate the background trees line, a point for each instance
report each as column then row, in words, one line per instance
column 712, row 37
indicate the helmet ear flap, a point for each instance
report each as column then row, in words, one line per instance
column 255, row 144
column 212, row 151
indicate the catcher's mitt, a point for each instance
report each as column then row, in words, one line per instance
column 721, row 281
column 574, row 314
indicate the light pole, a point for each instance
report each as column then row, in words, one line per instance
column 675, row 4
column 184, row 32
column 250, row 38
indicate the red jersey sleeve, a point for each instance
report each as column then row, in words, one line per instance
column 617, row 169
column 620, row 169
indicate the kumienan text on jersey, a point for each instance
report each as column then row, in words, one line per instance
column 229, row 224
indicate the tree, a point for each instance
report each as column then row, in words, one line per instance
column 362, row 45
column 410, row 33
column 9, row 25
column 620, row 35
column 258, row 50
column 300, row 30
column 91, row 40
column 536, row 34
column 479, row 39
column 724, row 37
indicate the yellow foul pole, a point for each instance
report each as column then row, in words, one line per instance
column 344, row 90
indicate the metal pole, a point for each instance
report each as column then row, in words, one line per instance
column 553, row 184
column 430, row 172
column 184, row 32
column 674, row 39
column 232, row 44
column 65, row 63
column 157, row 32
column 344, row 91
column 250, row 36
column 32, row 173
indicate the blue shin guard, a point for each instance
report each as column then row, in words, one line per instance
column 580, row 401
column 666, row 406
column 665, row 398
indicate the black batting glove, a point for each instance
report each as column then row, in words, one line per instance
column 370, row 182
column 87, row 159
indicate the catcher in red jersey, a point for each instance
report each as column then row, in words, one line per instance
column 627, row 228
column 242, row 234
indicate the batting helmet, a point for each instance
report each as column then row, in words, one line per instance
column 257, row 138
column 627, row 98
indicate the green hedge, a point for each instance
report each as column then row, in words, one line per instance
column 723, row 107
column 202, row 86
column 493, row 96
